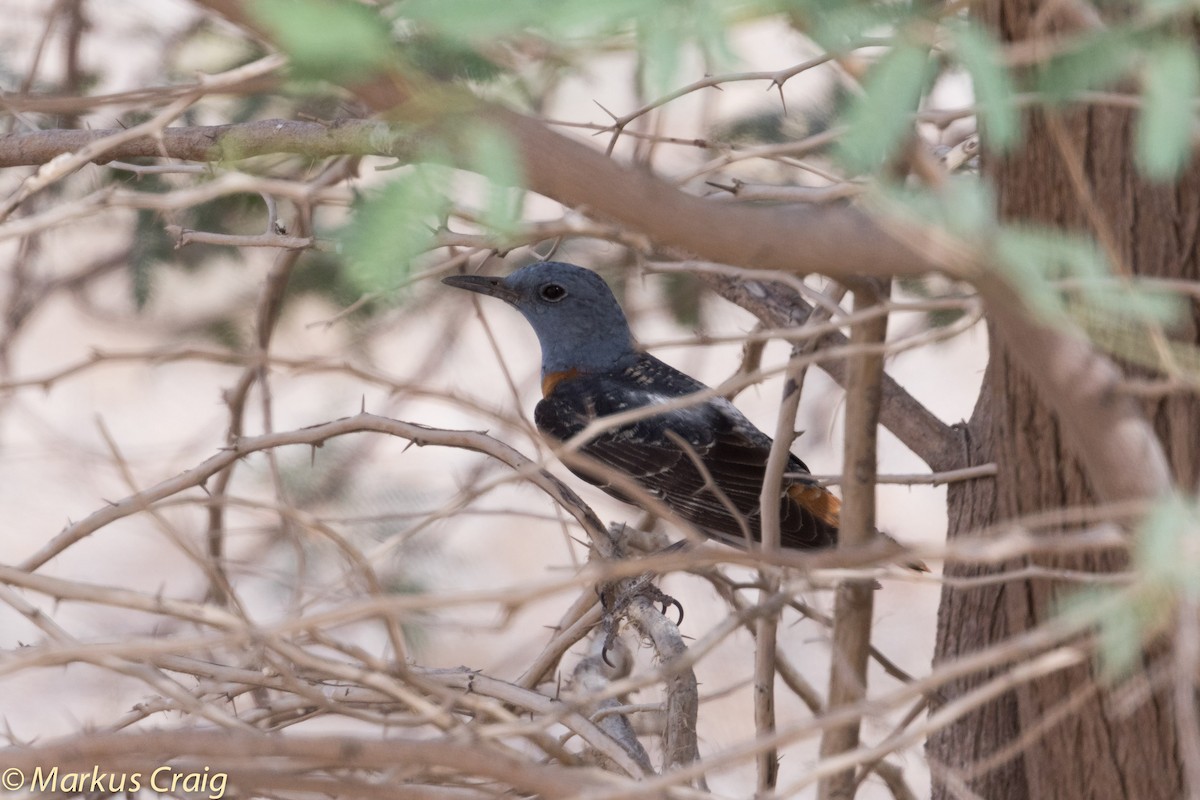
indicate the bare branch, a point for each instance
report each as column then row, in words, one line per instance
column 212, row 143
column 855, row 600
column 239, row 753
column 316, row 435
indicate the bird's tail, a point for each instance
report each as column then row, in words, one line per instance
column 825, row 506
column 818, row 501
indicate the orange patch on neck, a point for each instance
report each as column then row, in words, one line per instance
column 551, row 381
column 821, row 503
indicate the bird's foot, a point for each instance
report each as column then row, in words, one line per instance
column 616, row 598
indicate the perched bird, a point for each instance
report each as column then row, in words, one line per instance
column 592, row 369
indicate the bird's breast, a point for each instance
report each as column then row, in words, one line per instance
column 551, row 380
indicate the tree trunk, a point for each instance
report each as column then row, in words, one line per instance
column 1092, row 748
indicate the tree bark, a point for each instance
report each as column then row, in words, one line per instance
column 1088, row 746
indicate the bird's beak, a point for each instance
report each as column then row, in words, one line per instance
column 492, row 287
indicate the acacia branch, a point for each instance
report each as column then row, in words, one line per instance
column 215, row 143
column 855, row 599
column 680, row 746
column 316, row 436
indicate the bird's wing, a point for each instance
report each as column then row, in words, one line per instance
column 681, row 454
column 737, row 462
column 678, row 456
column 646, row 450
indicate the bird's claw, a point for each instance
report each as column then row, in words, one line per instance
column 667, row 602
column 616, row 598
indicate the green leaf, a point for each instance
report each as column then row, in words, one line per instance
column 1168, row 7
column 326, row 39
column 964, row 206
column 880, row 117
column 1034, row 257
column 448, row 59
column 841, row 25
column 1118, row 304
column 152, row 247
column 684, row 295
column 1168, row 544
column 473, row 20
column 968, row 206
column 994, row 90
column 1123, row 618
column 659, row 43
column 665, row 29
column 1121, row 633
column 494, row 156
column 391, row 227
column 1168, row 119
column 1094, row 63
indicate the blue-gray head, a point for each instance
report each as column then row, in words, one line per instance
column 573, row 312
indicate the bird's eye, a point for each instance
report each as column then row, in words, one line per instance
column 552, row 292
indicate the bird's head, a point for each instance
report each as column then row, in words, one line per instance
column 573, row 312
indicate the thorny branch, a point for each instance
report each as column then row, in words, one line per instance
column 855, row 602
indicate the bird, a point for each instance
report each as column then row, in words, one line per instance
column 704, row 460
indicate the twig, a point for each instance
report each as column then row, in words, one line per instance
column 185, row 237
column 776, row 77
column 920, row 479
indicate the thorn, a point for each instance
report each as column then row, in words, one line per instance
column 312, row 456
column 612, row 144
column 615, row 118
column 363, row 405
